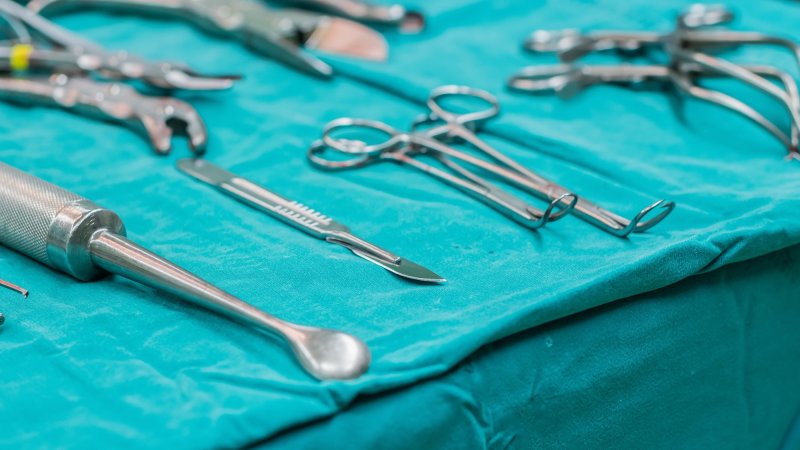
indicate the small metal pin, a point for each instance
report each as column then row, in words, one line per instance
column 22, row 291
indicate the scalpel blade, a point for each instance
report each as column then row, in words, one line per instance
column 303, row 218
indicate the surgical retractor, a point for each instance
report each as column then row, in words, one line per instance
column 78, row 237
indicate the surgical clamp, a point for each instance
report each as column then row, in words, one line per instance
column 91, row 57
column 567, row 80
column 273, row 33
column 454, row 128
column 74, row 235
column 304, row 218
column 404, row 147
column 154, row 116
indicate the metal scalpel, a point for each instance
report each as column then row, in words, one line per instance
column 303, row 218
column 74, row 235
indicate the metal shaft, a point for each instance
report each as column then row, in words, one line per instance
column 119, row 255
column 74, row 235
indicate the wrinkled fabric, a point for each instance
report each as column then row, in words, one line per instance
column 114, row 364
column 711, row 363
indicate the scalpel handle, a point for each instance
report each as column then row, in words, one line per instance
column 291, row 212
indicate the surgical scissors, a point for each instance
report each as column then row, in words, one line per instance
column 403, row 148
column 566, row 80
column 453, row 125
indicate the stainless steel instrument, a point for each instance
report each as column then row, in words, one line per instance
column 445, row 126
column 156, row 117
column 274, row 33
column 403, row 148
column 304, row 218
column 406, row 20
column 567, row 80
column 686, row 48
column 15, row 288
column 70, row 50
column 74, row 235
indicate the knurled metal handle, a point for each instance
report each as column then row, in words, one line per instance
column 28, row 206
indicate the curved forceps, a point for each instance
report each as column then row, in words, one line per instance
column 463, row 126
column 402, row 148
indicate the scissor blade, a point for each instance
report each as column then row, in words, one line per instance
column 402, row 267
column 349, row 38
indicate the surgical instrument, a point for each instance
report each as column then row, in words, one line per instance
column 303, row 218
column 91, row 57
column 404, row 147
column 153, row 116
column 74, row 235
column 455, row 126
column 15, row 288
column 24, row 57
column 679, row 46
column 567, row 80
column 572, row 44
column 277, row 34
column 407, row 21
